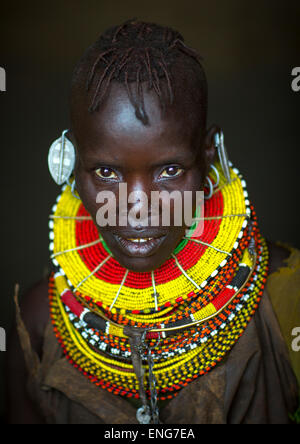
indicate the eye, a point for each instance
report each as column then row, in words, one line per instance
column 106, row 173
column 172, row 171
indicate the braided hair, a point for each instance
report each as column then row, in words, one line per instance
column 137, row 52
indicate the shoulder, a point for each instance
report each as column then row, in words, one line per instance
column 278, row 255
column 34, row 305
column 284, row 262
column 34, row 311
column 283, row 283
column 283, row 288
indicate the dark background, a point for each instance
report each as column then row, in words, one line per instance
column 249, row 50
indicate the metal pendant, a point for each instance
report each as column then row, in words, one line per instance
column 143, row 415
column 61, row 159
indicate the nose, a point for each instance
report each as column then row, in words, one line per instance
column 139, row 202
column 139, row 184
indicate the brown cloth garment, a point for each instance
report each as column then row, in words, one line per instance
column 255, row 384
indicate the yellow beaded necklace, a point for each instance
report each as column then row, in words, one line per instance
column 212, row 285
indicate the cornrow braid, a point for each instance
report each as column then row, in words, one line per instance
column 133, row 53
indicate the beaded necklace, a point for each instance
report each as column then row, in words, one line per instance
column 189, row 313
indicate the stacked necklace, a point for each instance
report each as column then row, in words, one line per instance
column 187, row 315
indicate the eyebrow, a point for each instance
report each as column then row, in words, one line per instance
column 106, row 159
column 179, row 158
column 94, row 160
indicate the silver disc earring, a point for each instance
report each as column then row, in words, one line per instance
column 61, row 159
column 223, row 156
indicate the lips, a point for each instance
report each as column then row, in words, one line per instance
column 140, row 246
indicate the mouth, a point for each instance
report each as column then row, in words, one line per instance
column 140, row 246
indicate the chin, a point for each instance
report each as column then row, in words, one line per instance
column 142, row 251
column 140, row 265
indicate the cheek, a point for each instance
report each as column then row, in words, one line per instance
column 85, row 188
column 196, row 179
column 188, row 192
column 194, row 197
column 192, row 182
column 88, row 190
column 89, row 187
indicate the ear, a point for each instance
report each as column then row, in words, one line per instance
column 210, row 151
column 71, row 137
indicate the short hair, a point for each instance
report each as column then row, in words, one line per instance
column 136, row 52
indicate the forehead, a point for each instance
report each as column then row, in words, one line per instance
column 115, row 127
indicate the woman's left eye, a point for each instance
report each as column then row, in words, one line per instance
column 106, row 173
column 172, row 171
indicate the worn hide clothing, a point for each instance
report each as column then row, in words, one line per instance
column 255, row 384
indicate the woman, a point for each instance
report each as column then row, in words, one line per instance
column 153, row 322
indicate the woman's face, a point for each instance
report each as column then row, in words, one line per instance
column 113, row 148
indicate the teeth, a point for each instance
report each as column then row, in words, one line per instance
column 139, row 240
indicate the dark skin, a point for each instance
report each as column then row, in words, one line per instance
column 114, row 147
column 138, row 153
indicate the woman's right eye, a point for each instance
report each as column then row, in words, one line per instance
column 106, row 173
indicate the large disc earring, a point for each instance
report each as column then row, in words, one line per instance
column 61, row 159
